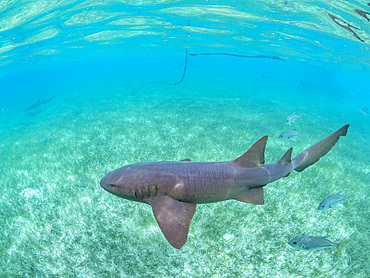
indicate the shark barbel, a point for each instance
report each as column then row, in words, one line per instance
column 173, row 188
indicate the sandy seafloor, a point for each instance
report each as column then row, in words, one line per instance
column 56, row 221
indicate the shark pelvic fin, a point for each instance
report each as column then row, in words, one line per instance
column 173, row 217
column 255, row 156
column 286, row 159
column 253, row 196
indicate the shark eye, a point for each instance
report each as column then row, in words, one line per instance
column 294, row 242
column 113, row 185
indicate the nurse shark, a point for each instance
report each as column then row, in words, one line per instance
column 174, row 188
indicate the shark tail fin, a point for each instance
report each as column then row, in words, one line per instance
column 315, row 152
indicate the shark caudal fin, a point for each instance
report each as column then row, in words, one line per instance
column 315, row 152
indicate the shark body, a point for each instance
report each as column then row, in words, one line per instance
column 173, row 188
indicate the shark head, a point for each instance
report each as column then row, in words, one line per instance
column 129, row 183
column 114, row 182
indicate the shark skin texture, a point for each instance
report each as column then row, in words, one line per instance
column 173, row 188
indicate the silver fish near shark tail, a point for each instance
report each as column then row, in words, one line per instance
column 174, row 188
column 292, row 117
column 289, row 135
column 311, row 243
column 331, row 201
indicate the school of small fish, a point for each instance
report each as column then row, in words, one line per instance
column 290, row 134
column 310, row 243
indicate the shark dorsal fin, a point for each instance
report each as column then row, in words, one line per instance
column 286, row 159
column 255, row 156
column 186, row 159
column 173, row 217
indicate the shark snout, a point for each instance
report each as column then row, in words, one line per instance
column 114, row 183
column 106, row 182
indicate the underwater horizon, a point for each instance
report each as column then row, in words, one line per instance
column 87, row 87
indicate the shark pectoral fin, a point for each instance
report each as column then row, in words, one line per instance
column 173, row 217
column 253, row 196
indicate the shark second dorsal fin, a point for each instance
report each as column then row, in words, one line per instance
column 255, row 156
column 286, row 159
column 173, row 217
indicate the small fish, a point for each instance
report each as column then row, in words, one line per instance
column 331, row 201
column 289, row 135
column 311, row 243
column 86, row 181
column 364, row 110
column 292, row 117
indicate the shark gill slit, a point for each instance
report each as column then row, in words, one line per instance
column 154, row 191
column 146, row 193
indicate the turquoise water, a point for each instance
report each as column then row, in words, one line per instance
column 56, row 221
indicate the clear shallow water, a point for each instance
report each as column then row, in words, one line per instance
column 56, row 219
